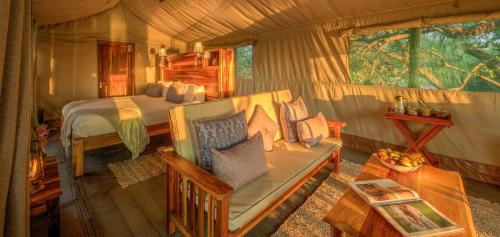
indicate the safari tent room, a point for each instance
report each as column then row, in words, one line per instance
column 249, row 118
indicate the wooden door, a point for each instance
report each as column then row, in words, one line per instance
column 226, row 80
column 115, row 62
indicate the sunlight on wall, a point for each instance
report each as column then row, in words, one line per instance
column 52, row 74
column 151, row 74
column 52, row 66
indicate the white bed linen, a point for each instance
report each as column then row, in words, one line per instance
column 154, row 110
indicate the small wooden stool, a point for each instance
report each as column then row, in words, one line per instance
column 47, row 200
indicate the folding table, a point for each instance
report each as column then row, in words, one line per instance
column 417, row 143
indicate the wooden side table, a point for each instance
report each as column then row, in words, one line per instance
column 416, row 143
column 47, row 200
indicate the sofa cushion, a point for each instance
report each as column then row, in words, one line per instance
column 290, row 114
column 241, row 163
column 261, row 122
column 312, row 130
column 288, row 163
column 219, row 133
column 180, row 116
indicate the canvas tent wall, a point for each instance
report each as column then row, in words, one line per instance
column 67, row 55
column 303, row 45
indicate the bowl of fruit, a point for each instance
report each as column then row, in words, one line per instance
column 400, row 161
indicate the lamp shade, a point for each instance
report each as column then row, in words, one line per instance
column 163, row 51
column 206, row 54
column 198, row 47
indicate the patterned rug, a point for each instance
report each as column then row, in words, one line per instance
column 144, row 167
column 307, row 219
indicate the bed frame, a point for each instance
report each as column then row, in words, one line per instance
column 81, row 144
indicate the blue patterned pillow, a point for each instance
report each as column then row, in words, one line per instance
column 218, row 133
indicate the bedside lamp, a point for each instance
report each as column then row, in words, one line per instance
column 198, row 49
column 163, row 54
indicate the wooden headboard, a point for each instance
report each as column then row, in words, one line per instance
column 216, row 82
column 208, row 77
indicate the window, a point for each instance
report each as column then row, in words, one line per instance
column 244, row 63
column 463, row 56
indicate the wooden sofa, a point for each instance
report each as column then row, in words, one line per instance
column 196, row 196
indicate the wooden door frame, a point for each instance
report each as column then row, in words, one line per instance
column 120, row 43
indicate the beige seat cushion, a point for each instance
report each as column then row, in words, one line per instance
column 287, row 163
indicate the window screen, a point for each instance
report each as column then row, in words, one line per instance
column 244, row 63
column 463, row 56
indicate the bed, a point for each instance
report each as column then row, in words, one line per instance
column 154, row 111
column 88, row 131
column 91, row 131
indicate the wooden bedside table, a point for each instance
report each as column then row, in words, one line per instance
column 47, row 200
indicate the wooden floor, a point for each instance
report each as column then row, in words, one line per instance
column 95, row 205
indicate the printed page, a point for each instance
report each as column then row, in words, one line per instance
column 417, row 218
column 383, row 191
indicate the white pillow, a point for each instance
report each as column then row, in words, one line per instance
column 189, row 96
column 194, row 93
column 199, row 93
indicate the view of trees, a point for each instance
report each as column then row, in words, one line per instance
column 244, row 63
column 463, row 56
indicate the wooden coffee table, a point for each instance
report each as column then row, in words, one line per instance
column 443, row 189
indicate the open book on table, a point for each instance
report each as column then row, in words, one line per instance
column 404, row 209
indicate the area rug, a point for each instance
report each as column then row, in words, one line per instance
column 144, row 167
column 307, row 219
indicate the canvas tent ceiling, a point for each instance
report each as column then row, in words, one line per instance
column 193, row 20
column 58, row 11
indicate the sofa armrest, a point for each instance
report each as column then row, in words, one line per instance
column 188, row 188
column 335, row 126
column 202, row 178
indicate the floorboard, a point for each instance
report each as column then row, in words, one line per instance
column 146, row 201
column 134, row 215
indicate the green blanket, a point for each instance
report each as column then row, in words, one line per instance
column 121, row 112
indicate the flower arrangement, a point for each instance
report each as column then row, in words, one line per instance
column 43, row 135
column 39, row 135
